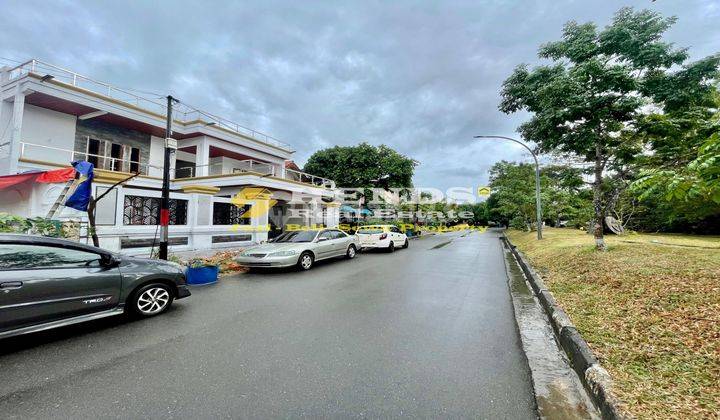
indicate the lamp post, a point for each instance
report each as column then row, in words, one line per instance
column 538, row 204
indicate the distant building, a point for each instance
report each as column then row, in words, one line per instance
column 51, row 116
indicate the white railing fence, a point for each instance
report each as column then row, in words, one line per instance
column 155, row 103
column 58, row 155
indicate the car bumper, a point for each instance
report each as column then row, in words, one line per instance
column 376, row 244
column 182, row 292
column 268, row 261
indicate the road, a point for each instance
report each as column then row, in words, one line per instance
column 423, row 332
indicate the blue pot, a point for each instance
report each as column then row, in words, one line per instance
column 202, row 275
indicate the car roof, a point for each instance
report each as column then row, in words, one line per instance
column 20, row 238
column 375, row 226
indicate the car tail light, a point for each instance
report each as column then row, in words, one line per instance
column 383, row 236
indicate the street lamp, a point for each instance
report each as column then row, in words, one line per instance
column 538, row 204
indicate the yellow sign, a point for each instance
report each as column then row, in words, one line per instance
column 259, row 199
column 484, row 191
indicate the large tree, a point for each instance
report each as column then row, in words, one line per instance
column 362, row 166
column 599, row 85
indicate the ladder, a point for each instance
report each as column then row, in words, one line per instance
column 61, row 199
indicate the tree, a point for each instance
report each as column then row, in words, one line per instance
column 359, row 166
column 512, row 201
column 594, row 92
column 685, row 165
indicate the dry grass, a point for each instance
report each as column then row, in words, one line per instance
column 650, row 309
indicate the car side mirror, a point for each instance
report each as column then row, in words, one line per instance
column 109, row 261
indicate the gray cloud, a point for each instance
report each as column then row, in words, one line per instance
column 422, row 77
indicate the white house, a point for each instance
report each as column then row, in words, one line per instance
column 50, row 116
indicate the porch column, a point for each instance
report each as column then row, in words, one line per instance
column 202, row 158
column 16, row 133
column 200, row 208
column 332, row 214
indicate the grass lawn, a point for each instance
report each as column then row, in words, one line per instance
column 650, row 309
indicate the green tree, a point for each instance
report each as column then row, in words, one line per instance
column 595, row 90
column 358, row 166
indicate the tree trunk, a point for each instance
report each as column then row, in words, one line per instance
column 91, row 222
column 597, row 200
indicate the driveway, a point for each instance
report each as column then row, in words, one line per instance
column 423, row 332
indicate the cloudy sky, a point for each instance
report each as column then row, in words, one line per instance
column 422, row 77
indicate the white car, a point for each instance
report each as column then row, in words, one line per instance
column 386, row 237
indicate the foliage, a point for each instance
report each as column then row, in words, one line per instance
column 358, row 166
column 37, row 226
column 591, row 98
column 693, row 188
column 564, row 196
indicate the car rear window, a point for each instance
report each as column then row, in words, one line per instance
column 369, row 231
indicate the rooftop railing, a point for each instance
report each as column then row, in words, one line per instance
column 135, row 97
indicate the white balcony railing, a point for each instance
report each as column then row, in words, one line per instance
column 132, row 97
column 247, row 165
column 42, row 153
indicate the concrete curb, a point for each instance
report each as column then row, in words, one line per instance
column 594, row 378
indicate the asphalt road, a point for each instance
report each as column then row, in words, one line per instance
column 424, row 332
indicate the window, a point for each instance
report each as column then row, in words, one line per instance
column 21, row 256
column 113, row 156
column 140, row 210
column 230, row 214
column 328, row 234
column 394, row 229
column 338, row 234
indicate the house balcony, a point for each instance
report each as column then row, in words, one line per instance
column 54, row 156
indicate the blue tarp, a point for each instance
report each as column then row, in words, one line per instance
column 81, row 196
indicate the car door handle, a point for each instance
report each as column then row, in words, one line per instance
column 11, row 285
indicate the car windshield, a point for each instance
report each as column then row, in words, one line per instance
column 369, row 231
column 296, row 236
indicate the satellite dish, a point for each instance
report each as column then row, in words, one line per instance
column 614, row 225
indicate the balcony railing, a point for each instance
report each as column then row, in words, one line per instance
column 306, row 178
column 247, row 165
column 132, row 97
column 58, row 155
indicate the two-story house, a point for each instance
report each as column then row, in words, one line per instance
column 50, row 116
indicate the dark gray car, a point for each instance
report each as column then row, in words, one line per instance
column 47, row 283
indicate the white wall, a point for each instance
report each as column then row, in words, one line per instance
column 48, row 128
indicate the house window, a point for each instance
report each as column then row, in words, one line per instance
column 113, row 156
column 140, row 210
column 230, row 214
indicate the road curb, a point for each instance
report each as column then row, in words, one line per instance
column 594, row 377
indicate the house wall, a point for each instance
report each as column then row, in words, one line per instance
column 101, row 130
column 48, row 128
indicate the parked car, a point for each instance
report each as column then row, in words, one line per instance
column 388, row 237
column 47, row 283
column 301, row 248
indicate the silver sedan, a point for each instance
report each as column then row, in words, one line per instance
column 301, row 248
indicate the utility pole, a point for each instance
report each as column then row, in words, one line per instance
column 538, row 203
column 165, row 200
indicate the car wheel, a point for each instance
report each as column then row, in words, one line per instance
column 151, row 299
column 391, row 247
column 407, row 243
column 306, row 260
column 351, row 252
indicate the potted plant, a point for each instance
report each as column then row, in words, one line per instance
column 201, row 271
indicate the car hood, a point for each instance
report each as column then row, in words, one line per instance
column 268, row 248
